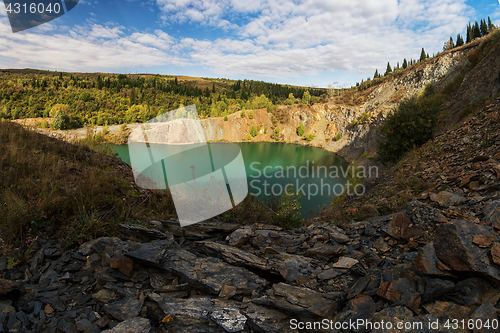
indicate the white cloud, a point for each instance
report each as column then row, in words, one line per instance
column 268, row 38
column 88, row 48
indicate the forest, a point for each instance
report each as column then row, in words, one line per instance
column 106, row 99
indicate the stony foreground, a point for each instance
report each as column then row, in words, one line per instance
column 412, row 267
column 434, row 267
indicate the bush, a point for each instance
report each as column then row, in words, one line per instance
column 225, row 118
column 60, row 121
column 310, row 137
column 410, row 125
column 276, row 134
column 338, row 137
column 242, row 114
column 253, row 131
column 300, row 129
column 250, row 114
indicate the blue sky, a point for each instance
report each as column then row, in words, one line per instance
column 308, row 43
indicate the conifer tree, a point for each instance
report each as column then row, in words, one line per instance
column 422, row 55
column 388, row 70
column 460, row 41
column 376, row 75
column 476, row 31
column 490, row 25
column 469, row 33
column 427, row 57
column 484, row 27
column 405, row 64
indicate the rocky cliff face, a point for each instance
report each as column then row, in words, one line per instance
column 327, row 121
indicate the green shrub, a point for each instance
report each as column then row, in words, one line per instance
column 265, row 130
column 253, row 131
column 243, row 114
column 60, row 121
column 310, row 137
column 410, row 125
column 249, row 137
column 338, row 137
column 300, row 129
column 250, row 114
column 276, row 134
column 225, row 118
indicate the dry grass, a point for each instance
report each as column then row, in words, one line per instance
column 50, row 186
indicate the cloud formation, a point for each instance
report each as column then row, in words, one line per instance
column 279, row 38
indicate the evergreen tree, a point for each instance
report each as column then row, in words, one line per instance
column 484, row 27
column 253, row 131
column 397, row 66
column 476, row 31
column 469, row 34
column 490, row 25
column 388, row 70
column 376, row 75
column 423, row 55
column 301, row 129
column 460, row 41
column 427, row 57
column 405, row 64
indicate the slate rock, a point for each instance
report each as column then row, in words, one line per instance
column 330, row 274
column 135, row 325
column 491, row 213
column 189, row 315
column 362, row 307
column 239, row 237
column 455, row 248
column 152, row 253
column 300, row 300
column 446, row 199
column 324, row 250
column 448, row 309
column 401, row 227
column 212, row 274
column 235, row 256
column 426, row 261
column 485, row 313
column 345, row 262
column 141, row 233
column 231, row 320
column 266, row 320
column 358, row 286
column 124, row 309
column 8, row 286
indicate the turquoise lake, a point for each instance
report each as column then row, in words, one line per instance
column 272, row 168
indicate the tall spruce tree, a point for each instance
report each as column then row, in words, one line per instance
column 490, row 25
column 405, row 64
column 460, row 41
column 484, row 27
column 476, row 31
column 423, row 56
column 376, row 75
column 469, row 33
column 388, row 70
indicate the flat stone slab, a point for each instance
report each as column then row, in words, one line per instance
column 300, row 301
column 136, row 325
column 127, row 308
column 213, row 274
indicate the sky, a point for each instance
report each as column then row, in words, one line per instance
column 308, row 43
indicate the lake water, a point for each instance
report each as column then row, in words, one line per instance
column 273, row 168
